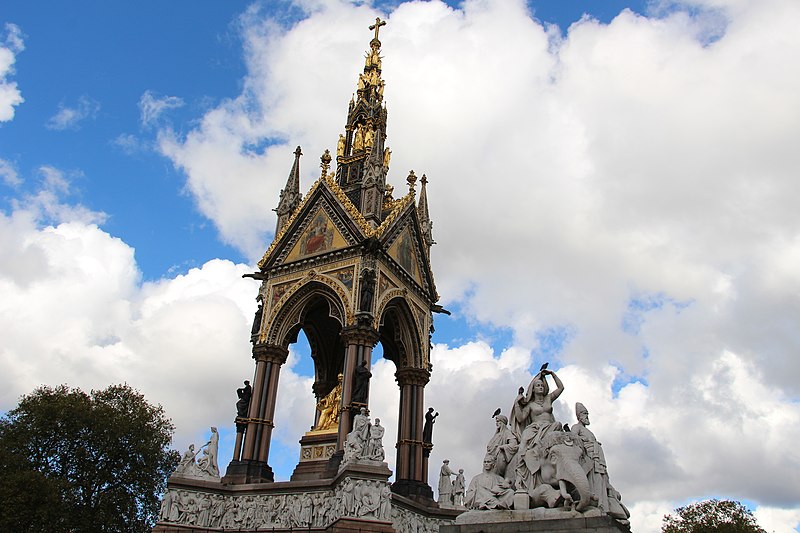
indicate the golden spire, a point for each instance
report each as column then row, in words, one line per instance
column 370, row 84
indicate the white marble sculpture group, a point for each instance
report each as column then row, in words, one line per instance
column 207, row 466
column 451, row 491
column 364, row 444
column 534, row 461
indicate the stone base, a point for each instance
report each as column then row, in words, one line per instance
column 316, row 450
column 355, row 525
column 413, row 489
column 538, row 520
column 365, row 470
column 241, row 472
column 342, row 525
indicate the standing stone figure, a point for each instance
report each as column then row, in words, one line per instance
column 427, row 429
column 458, row 488
column 445, row 485
column 209, row 461
column 244, row 393
column 608, row 498
column 374, row 449
column 361, row 378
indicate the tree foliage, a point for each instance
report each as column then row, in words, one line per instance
column 723, row 516
column 78, row 462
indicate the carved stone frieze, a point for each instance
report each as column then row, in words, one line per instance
column 406, row 521
column 367, row 499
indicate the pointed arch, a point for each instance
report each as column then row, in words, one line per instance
column 290, row 313
column 399, row 333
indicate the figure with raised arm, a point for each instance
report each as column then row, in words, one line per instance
column 532, row 419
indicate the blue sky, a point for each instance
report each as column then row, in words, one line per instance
column 613, row 194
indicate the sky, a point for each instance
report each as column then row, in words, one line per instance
column 613, row 187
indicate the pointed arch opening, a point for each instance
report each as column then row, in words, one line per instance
column 399, row 335
column 317, row 311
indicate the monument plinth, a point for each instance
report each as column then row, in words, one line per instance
column 537, row 520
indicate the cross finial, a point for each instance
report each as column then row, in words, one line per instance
column 377, row 26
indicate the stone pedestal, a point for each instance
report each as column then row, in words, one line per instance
column 316, row 449
column 240, row 472
column 537, row 520
column 413, row 489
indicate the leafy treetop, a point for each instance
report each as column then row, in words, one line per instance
column 78, row 462
column 722, row 516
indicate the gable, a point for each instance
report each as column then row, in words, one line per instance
column 320, row 236
column 404, row 251
column 403, row 242
column 321, row 224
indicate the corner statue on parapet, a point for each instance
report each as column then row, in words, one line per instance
column 539, row 466
column 204, row 468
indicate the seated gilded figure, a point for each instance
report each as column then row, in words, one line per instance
column 329, row 408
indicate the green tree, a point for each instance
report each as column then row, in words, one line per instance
column 77, row 462
column 724, row 516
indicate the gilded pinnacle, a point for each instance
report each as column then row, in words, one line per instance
column 325, row 162
column 411, row 179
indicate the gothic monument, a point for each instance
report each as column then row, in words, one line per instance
column 349, row 265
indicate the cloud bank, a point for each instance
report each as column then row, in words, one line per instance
column 631, row 195
column 630, row 188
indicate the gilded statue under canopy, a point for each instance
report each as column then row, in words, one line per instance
column 330, row 407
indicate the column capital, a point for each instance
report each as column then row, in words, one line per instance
column 359, row 334
column 412, row 376
column 270, row 353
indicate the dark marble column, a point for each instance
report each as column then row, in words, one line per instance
column 251, row 466
column 411, row 475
